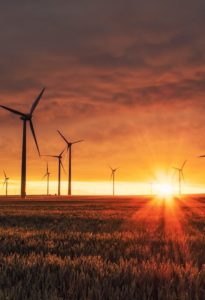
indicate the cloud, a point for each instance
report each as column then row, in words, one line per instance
column 116, row 73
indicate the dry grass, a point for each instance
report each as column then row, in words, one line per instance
column 122, row 248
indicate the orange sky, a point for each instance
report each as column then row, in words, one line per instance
column 128, row 78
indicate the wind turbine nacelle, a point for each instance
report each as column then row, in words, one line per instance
column 26, row 117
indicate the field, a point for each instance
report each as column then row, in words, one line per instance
column 102, row 248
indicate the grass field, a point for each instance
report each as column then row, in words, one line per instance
column 102, row 248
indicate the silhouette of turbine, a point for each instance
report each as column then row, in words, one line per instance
column 47, row 175
column 59, row 157
column 69, row 149
column 6, row 182
column 26, row 118
column 181, row 175
column 113, row 179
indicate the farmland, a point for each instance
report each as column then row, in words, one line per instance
column 102, row 248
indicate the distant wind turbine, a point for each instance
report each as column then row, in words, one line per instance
column 180, row 174
column 113, row 179
column 6, row 182
column 47, row 176
column 59, row 157
column 26, row 118
column 69, row 149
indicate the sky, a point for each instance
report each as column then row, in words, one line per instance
column 128, row 77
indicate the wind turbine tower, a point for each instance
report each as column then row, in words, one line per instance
column 113, row 179
column 26, row 118
column 59, row 158
column 180, row 176
column 6, row 182
column 47, row 175
column 69, row 149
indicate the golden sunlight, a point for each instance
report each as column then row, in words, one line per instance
column 163, row 189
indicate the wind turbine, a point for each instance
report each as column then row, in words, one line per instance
column 181, row 175
column 113, row 179
column 26, row 118
column 59, row 158
column 69, row 148
column 47, row 175
column 6, row 182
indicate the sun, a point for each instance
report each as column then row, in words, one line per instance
column 163, row 189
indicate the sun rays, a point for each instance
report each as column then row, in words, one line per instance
column 168, row 219
column 163, row 189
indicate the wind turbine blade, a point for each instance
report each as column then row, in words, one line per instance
column 62, row 151
column 111, row 176
column 182, row 174
column 67, row 142
column 177, row 169
column 201, row 156
column 174, row 173
column 183, row 164
column 33, row 107
column 43, row 176
column 62, row 167
column 110, row 168
column 34, row 136
column 4, row 173
column 77, row 142
column 13, row 110
column 47, row 168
